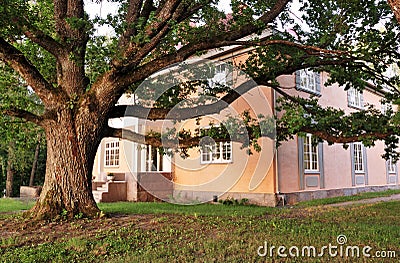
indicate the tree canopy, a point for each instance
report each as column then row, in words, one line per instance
column 79, row 74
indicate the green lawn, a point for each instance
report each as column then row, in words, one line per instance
column 8, row 205
column 160, row 232
column 195, row 210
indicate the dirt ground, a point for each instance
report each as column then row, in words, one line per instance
column 27, row 232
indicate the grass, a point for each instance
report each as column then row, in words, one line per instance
column 8, row 205
column 196, row 210
column 161, row 232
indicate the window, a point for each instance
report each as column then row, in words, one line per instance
column 154, row 159
column 219, row 152
column 391, row 166
column 309, row 81
column 222, row 75
column 358, row 155
column 386, row 107
column 355, row 98
column 310, row 152
column 112, row 154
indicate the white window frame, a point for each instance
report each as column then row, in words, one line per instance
column 391, row 167
column 310, row 155
column 111, row 153
column 385, row 107
column 355, row 98
column 218, row 152
column 308, row 81
column 358, row 157
column 149, row 160
column 221, row 75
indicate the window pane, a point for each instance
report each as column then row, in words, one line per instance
column 216, row 151
column 112, row 153
column 226, row 151
column 310, row 154
column 219, row 152
column 307, row 80
column 391, row 166
column 358, row 157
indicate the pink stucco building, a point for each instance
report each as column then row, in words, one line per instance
column 298, row 170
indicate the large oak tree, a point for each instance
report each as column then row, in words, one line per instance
column 79, row 74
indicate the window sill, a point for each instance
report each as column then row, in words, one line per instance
column 355, row 107
column 312, row 92
column 311, row 172
column 218, row 162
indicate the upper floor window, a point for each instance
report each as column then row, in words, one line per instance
column 308, row 81
column 217, row 152
column 386, row 107
column 355, row 98
column 358, row 157
column 222, row 75
column 310, row 154
column 112, row 154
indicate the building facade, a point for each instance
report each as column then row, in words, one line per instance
column 298, row 170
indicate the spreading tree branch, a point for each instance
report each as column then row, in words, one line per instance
column 324, row 135
column 183, row 113
column 48, row 43
column 155, row 141
column 133, row 74
column 214, row 108
column 23, row 114
column 134, row 8
column 16, row 59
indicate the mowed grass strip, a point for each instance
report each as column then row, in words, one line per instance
column 11, row 205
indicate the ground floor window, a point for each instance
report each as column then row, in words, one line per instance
column 358, row 157
column 112, row 154
column 219, row 152
column 391, row 166
column 310, row 154
column 154, row 159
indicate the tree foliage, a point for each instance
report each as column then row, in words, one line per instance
column 18, row 138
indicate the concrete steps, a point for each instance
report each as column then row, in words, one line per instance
column 98, row 193
column 111, row 191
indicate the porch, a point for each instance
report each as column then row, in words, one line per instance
column 138, row 187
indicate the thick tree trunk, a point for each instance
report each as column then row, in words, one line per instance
column 10, row 170
column 35, row 161
column 70, row 156
column 10, row 178
column 395, row 5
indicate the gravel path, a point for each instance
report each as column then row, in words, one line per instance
column 369, row 201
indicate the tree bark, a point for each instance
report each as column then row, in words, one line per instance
column 35, row 161
column 68, row 183
column 395, row 6
column 10, row 171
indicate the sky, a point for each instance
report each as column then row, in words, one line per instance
column 105, row 7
